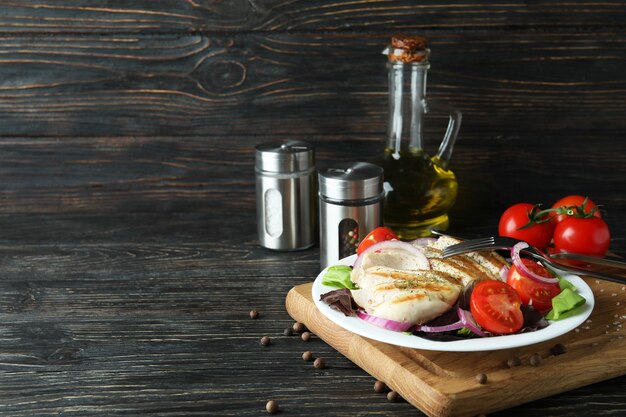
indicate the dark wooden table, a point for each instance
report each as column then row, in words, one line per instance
column 127, row 223
column 149, row 315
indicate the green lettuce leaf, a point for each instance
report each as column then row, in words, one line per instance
column 464, row 331
column 338, row 276
column 563, row 283
column 564, row 304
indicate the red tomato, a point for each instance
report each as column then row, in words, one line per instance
column 379, row 234
column 520, row 221
column 538, row 294
column 575, row 200
column 589, row 236
column 495, row 306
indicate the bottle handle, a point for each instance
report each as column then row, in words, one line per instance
column 454, row 125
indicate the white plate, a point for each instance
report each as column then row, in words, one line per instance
column 363, row 328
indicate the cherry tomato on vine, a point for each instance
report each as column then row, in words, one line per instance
column 526, row 222
column 575, row 201
column 585, row 236
column 538, row 294
column 495, row 306
column 379, row 234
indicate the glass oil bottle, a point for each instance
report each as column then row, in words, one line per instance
column 420, row 189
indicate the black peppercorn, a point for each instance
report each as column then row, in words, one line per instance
column 392, row 396
column 306, row 336
column 299, row 327
column 380, row 387
column 558, row 349
column 271, row 407
column 481, row 378
column 265, row 340
column 513, row 361
column 254, row 314
column 319, row 363
column 535, row 359
column 288, row 331
column 307, row 356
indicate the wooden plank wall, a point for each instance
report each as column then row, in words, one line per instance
column 155, row 106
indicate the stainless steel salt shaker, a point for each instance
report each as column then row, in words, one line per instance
column 286, row 195
column 351, row 205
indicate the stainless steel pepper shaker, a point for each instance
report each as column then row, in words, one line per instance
column 285, row 195
column 351, row 205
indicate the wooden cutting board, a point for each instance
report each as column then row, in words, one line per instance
column 445, row 384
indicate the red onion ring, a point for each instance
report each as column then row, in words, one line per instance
column 396, row 326
column 504, row 272
column 468, row 321
column 429, row 329
column 394, row 244
column 523, row 270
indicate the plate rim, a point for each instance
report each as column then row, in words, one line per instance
column 364, row 329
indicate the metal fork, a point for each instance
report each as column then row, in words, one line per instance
column 500, row 242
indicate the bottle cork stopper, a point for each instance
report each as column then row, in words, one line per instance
column 408, row 49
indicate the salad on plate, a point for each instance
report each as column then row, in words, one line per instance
column 408, row 288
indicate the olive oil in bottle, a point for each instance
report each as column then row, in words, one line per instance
column 420, row 189
column 420, row 192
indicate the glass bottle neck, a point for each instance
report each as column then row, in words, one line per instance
column 407, row 105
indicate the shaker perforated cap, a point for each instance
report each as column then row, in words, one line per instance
column 351, row 181
column 285, row 157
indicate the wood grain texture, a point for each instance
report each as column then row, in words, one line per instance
column 38, row 16
column 511, row 84
column 198, row 174
column 528, row 100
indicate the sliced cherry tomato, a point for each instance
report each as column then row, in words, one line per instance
column 379, row 234
column 521, row 221
column 495, row 306
column 589, row 236
column 575, row 201
column 538, row 294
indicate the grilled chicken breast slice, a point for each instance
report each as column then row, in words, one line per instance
column 416, row 296
column 472, row 266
